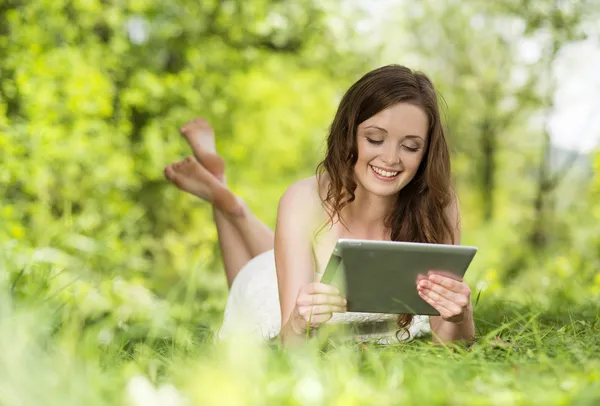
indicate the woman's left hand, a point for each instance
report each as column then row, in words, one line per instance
column 448, row 295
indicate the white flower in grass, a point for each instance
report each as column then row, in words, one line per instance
column 105, row 336
column 309, row 391
column 141, row 392
column 567, row 385
column 168, row 395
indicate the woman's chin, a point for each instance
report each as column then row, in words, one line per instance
column 384, row 191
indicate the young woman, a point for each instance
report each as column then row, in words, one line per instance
column 385, row 176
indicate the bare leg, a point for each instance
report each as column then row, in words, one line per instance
column 192, row 177
column 234, row 252
column 255, row 234
column 242, row 236
column 200, row 135
column 257, row 237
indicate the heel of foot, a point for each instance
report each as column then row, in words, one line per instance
column 214, row 163
column 227, row 202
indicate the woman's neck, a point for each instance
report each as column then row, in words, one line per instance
column 366, row 214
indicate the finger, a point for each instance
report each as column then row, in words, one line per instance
column 454, row 285
column 322, row 309
column 459, row 298
column 444, row 312
column 444, row 273
column 321, row 299
column 317, row 287
column 448, row 309
column 442, row 301
column 315, row 320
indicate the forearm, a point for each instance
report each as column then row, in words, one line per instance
column 446, row 331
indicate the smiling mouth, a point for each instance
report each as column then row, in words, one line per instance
column 384, row 174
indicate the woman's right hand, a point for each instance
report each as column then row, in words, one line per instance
column 315, row 305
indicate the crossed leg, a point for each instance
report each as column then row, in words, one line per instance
column 242, row 236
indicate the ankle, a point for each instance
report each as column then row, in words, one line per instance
column 239, row 211
column 242, row 209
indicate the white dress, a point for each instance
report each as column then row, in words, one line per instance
column 253, row 308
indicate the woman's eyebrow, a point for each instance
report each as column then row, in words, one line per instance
column 377, row 128
column 385, row 131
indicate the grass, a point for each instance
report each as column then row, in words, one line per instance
column 523, row 355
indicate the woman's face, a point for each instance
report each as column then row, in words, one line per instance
column 391, row 145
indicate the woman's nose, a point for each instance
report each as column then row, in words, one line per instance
column 391, row 156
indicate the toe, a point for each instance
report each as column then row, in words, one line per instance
column 195, row 123
column 169, row 171
column 174, row 177
column 199, row 121
column 185, row 130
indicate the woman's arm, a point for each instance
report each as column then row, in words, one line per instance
column 301, row 299
column 451, row 297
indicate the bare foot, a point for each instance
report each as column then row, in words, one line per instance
column 199, row 134
column 190, row 176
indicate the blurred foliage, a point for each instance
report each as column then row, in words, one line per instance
column 92, row 94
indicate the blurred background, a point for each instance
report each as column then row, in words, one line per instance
column 92, row 93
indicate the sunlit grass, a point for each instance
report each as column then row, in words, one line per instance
column 522, row 355
column 72, row 335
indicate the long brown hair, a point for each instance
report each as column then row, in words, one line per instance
column 418, row 215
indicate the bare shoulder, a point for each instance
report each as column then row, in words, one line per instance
column 305, row 193
column 452, row 213
column 303, row 199
column 453, row 208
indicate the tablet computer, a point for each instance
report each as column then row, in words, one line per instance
column 381, row 276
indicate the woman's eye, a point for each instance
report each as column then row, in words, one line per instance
column 411, row 149
column 375, row 142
